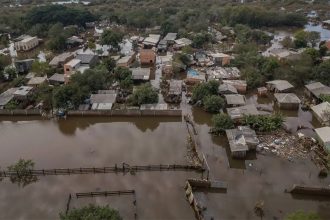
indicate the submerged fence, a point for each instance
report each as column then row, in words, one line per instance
column 20, row 112
column 105, row 193
column 127, row 112
column 125, row 168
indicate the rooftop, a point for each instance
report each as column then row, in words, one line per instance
column 224, row 72
column 73, row 62
column 37, row 80
column 235, row 99
column 103, row 98
column 239, row 112
column 323, row 134
column 6, row 96
column 154, row 107
column 153, row 39
column 175, row 87
column 227, row 89
column 23, row 91
column 57, row 77
column 183, row 42
column 86, row 58
column 236, row 140
column 281, row 85
column 170, row 37
column 60, row 58
column 140, row 73
column 320, row 109
column 318, row 88
column 287, row 98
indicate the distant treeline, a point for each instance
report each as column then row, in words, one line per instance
column 58, row 14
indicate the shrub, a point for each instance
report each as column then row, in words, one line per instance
column 91, row 212
column 213, row 103
column 22, row 169
column 300, row 215
column 221, row 122
column 263, row 123
column 205, row 89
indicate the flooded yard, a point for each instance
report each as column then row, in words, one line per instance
column 98, row 142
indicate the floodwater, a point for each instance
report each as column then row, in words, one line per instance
column 324, row 33
column 97, row 142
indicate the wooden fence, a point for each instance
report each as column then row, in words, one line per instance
column 105, row 193
column 115, row 169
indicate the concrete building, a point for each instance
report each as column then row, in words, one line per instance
column 323, row 136
column 322, row 113
column 151, row 41
column 279, row 86
column 71, row 68
column 26, row 43
column 237, row 144
column 89, row 60
column 182, row 42
column 288, row 101
column 24, row 66
column 170, row 38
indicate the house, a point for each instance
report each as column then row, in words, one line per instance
column 240, row 85
column 126, row 61
column 279, row 86
column 287, row 101
column 194, row 76
column 324, row 137
column 23, row 92
column 174, row 94
column 70, row 68
column 182, row 42
column 151, row 41
column 23, row 66
column 237, row 113
column 89, row 60
column 227, row 73
column 250, row 137
column 147, row 56
column 61, row 59
column 36, row 81
column 237, row 143
column 321, row 112
column 56, row 79
column 6, row 97
column 234, row 100
column 25, row 43
column 220, row 59
column 141, row 73
column 170, row 38
column 227, row 89
column 104, row 100
column 316, row 89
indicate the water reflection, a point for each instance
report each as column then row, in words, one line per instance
column 70, row 125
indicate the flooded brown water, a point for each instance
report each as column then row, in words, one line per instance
column 79, row 142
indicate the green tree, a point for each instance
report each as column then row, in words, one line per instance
column 263, row 123
column 200, row 39
column 325, row 98
column 110, row 64
column 213, row 103
column 91, row 212
column 41, row 68
column 144, row 94
column 313, row 38
column 322, row 72
column 112, row 38
column 202, row 90
column 300, row 215
column 287, row 42
column 300, row 39
column 22, row 172
column 10, row 73
column 57, row 43
column 221, row 122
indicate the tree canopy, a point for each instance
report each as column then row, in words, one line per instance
column 92, row 212
column 144, row 94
